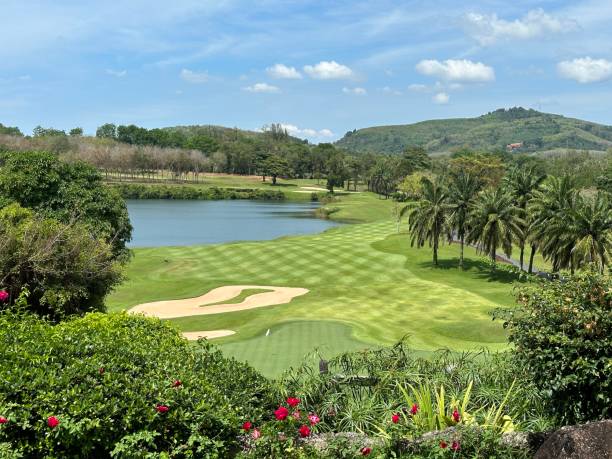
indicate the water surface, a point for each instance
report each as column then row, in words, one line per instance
column 168, row 222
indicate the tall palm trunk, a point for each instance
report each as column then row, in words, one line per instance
column 531, row 256
column 435, row 252
column 522, row 256
column 462, row 241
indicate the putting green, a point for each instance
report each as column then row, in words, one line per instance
column 287, row 344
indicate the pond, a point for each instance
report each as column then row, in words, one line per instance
column 169, row 222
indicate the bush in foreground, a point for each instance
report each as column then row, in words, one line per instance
column 562, row 332
column 121, row 386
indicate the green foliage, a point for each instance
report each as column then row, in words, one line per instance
column 562, row 333
column 8, row 130
column 102, row 377
column 76, row 132
column 64, row 267
column 136, row 191
column 66, row 191
column 491, row 132
column 276, row 166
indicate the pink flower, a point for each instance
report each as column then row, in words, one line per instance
column 395, row 418
column 293, row 402
column 443, row 444
column 281, row 413
column 455, row 446
column 3, row 420
column 177, row 383
column 247, row 426
column 414, row 409
column 52, row 422
column 4, row 295
column 365, row 451
column 314, row 419
column 255, row 434
column 304, row 431
column 456, row 416
column 296, row 414
column 161, row 409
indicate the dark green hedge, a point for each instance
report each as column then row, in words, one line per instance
column 103, row 377
column 137, row 191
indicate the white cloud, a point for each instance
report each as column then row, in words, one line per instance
column 488, row 28
column 356, row 91
column 284, row 72
column 262, row 87
column 457, row 70
column 295, row 131
column 389, row 90
column 116, row 73
column 441, row 98
column 328, row 70
column 585, row 69
column 417, row 87
column 194, row 77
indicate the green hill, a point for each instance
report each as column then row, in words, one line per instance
column 493, row 131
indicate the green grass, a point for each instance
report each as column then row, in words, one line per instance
column 289, row 342
column 241, row 297
column 364, row 277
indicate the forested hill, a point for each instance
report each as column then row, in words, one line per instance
column 494, row 131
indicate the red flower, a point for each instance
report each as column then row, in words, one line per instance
column 314, row 419
column 255, row 434
column 415, row 409
column 443, row 444
column 4, row 295
column 161, row 409
column 455, row 446
column 3, row 420
column 247, row 426
column 304, row 431
column 281, row 413
column 456, row 416
column 293, row 402
column 365, row 451
column 52, row 422
column 395, row 418
column 177, row 383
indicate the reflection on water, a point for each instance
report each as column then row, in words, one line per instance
column 168, row 222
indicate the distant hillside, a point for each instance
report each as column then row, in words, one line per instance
column 493, row 131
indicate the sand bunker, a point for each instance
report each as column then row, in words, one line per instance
column 170, row 309
column 210, row 334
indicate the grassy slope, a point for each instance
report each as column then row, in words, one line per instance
column 364, row 276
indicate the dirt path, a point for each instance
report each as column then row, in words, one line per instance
column 170, row 309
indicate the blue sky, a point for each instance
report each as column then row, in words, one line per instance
column 319, row 67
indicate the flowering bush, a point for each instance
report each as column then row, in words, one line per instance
column 121, row 386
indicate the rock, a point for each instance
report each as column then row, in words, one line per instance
column 588, row 441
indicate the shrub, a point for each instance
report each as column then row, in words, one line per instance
column 120, row 386
column 562, row 332
column 64, row 268
column 138, row 191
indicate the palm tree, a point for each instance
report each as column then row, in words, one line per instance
column 494, row 222
column 591, row 231
column 462, row 191
column 522, row 182
column 550, row 212
column 427, row 217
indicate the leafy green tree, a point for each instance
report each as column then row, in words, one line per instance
column 66, row 191
column 494, row 222
column 204, row 143
column 40, row 131
column 63, row 268
column 462, row 192
column 383, row 176
column 549, row 211
column 335, row 170
column 413, row 159
column 8, row 130
column 107, row 131
column 277, row 166
column 522, row 183
column 76, row 132
column 428, row 217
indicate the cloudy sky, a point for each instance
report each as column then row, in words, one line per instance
column 319, row 67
